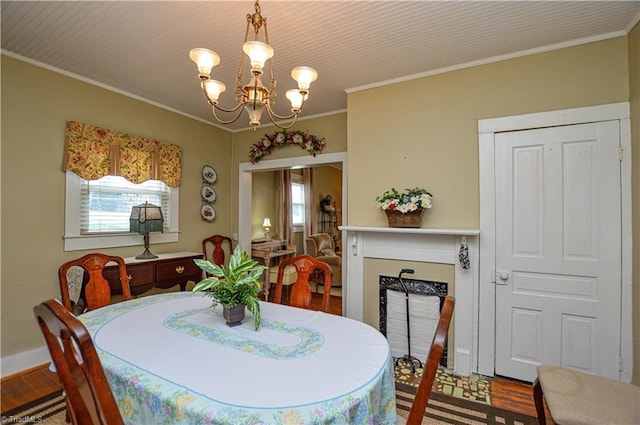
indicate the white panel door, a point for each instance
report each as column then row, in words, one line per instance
column 558, row 249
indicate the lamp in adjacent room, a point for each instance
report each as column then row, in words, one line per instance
column 267, row 225
column 146, row 218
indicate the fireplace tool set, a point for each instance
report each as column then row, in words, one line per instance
column 407, row 359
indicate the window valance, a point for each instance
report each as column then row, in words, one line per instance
column 92, row 152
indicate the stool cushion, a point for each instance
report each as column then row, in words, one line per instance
column 576, row 398
column 288, row 278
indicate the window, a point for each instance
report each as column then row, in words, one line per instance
column 297, row 204
column 106, row 203
column 97, row 211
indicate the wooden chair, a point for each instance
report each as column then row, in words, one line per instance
column 95, row 288
column 89, row 397
column 322, row 247
column 300, row 294
column 578, row 398
column 419, row 406
column 218, row 253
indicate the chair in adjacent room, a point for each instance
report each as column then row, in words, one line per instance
column 217, row 248
column 322, row 247
column 89, row 286
column 88, row 395
column 419, row 406
column 300, row 292
column 579, row 398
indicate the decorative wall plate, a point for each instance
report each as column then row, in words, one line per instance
column 208, row 194
column 209, row 174
column 207, row 212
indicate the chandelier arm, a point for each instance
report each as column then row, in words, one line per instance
column 272, row 84
column 219, row 108
column 282, row 126
column 283, row 117
column 221, row 121
column 274, row 117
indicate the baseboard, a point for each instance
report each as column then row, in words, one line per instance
column 10, row 365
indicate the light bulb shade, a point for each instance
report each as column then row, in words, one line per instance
column 304, row 76
column 296, row 98
column 213, row 88
column 266, row 222
column 258, row 53
column 146, row 218
column 205, row 59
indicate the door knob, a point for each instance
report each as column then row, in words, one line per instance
column 504, row 276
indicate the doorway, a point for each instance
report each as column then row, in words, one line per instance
column 245, row 183
column 553, row 261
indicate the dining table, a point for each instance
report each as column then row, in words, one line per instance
column 171, row 359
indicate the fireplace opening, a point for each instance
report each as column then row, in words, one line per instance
column 425, row 303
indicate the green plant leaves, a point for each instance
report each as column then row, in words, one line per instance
column 237, row 283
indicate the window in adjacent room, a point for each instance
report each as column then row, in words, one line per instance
column 297, row 204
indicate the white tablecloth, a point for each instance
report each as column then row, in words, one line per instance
column 170, row 358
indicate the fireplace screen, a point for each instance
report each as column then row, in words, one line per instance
column 425, row 302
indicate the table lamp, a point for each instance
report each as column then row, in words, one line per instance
column 266, row 224
column 146, row 218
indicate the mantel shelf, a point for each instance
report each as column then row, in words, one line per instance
column 420, row 230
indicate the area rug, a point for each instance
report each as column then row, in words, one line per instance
column 49, row 410
column 474, row 387
column 446, row 409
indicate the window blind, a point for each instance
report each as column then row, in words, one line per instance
column 106, row 203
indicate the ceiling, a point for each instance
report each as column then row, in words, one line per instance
column 141, row 48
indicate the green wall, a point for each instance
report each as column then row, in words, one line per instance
column 424, row 132
column 36, row 103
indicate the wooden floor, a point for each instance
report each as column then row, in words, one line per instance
column 27, row 386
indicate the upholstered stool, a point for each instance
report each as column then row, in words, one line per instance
column 576, row 398
column 288, row 278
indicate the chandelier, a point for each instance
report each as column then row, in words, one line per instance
column 254, row 96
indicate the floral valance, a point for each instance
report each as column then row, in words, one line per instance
column 282, row 138
column 93, row 152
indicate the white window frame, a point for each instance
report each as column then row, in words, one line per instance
column 75, row 241
column 298, row 179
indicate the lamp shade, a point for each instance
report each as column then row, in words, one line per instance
column 213, row 89
column 258, row 53
column 205, row 59
column 304, row 75
column 146, row 218
column 266, row 222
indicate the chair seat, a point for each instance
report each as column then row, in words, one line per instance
column 289, row 277
column 576, row 398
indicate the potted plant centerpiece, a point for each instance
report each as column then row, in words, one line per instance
column 235, row 286
column 404, row 209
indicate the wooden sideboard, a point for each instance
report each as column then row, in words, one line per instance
column 167, row 270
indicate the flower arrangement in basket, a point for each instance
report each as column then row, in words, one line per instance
column 404, row 209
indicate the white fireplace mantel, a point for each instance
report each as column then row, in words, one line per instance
column 422, row 245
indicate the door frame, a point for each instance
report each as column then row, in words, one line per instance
column 245, row 175
column 487, row 128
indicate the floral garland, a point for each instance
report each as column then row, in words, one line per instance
column 282, row 138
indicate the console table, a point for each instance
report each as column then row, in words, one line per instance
column 167, row 270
